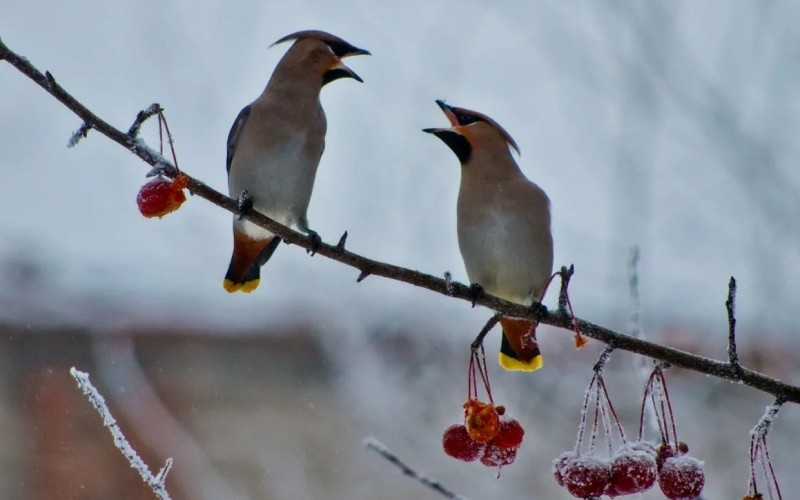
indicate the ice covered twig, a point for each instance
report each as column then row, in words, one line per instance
column 157, row 482
column 381, row 449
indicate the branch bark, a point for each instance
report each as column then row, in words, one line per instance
column 366, row 266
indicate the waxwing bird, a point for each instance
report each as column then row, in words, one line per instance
column 274, row 149
column 503, row 222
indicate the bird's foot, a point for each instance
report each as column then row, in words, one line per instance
column 315, row 241
column 243, row 203
column 538, row 311
column 476, row 291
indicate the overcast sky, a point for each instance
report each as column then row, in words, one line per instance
column 671, row 125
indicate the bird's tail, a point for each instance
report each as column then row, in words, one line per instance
column 519, row 350
column 244, row 271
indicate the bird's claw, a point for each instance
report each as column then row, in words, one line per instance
column 475, row 292
column 315, row 241
column 538, row 311
column 244, row 203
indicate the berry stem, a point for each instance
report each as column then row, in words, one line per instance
column 613, row 412
column 771, row 469
column 669, row 405
column 584, row 411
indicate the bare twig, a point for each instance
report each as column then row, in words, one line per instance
column 730, row 305
column 157, row 482
column 342, row 241
column 79, row 134
column 603, row 359
column 141, row 117
column 381, row 449
column 633, row 289
column 485, row 331
column 368, row 266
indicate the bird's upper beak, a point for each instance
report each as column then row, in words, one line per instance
column 451, row 117
column 449, row 112
column 355, row 51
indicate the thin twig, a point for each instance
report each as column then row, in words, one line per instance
column 603, row 359
column 369, row 266
column 730, row 305
column 157, row 482
column 563, row 297
column 381, row 449
column 79, row 134
column 342, row 241
column 141, row 117
column 485, row 331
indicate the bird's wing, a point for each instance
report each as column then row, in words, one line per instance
column 233, row 135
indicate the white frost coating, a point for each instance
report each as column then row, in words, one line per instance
column 156, row 483
column 761, row 428
column 76, row 136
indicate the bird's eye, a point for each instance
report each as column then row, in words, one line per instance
column 466, row 119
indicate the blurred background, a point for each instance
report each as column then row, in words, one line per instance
column 669, row 125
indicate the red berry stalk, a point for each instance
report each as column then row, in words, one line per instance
column 679, row 474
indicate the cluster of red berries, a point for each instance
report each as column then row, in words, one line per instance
column 636, row 466
column 488, row 432
column 161, row 196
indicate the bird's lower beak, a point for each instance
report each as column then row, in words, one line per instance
column 340, row 71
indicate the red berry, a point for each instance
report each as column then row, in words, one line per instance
column 161, row 196
column 509, row 434
column 586, row 476
column 481, row 420
column 559, row 464
column 681, row 478
column 494, row 456
column 457, row 443
column 632, row 471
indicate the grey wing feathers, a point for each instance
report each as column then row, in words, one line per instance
column 233, row 135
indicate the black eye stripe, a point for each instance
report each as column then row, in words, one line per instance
column 465, row 119
column 340, row 48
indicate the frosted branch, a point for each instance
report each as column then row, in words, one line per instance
column 367, row 266
column 156, row 483
column 381, row 449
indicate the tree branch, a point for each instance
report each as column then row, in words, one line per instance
column 367, row 266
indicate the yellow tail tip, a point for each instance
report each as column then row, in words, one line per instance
column 246, row 287
column 518, row 365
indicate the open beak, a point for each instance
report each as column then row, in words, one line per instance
column 339, row 70
column 448, row 111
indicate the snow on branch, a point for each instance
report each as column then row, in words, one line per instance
column 370, row 267
column 157, row 482
column 381, row 449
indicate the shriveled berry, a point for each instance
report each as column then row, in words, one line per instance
column 481, row 420
column 560, row 462
column 586, row 476
column 457, row 443
column 663, row 452
column 681, row 478
column 509, row 434
column 632, row 471
column 160, row 196
column 494, row 456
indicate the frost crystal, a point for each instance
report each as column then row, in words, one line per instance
column 156, row 483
